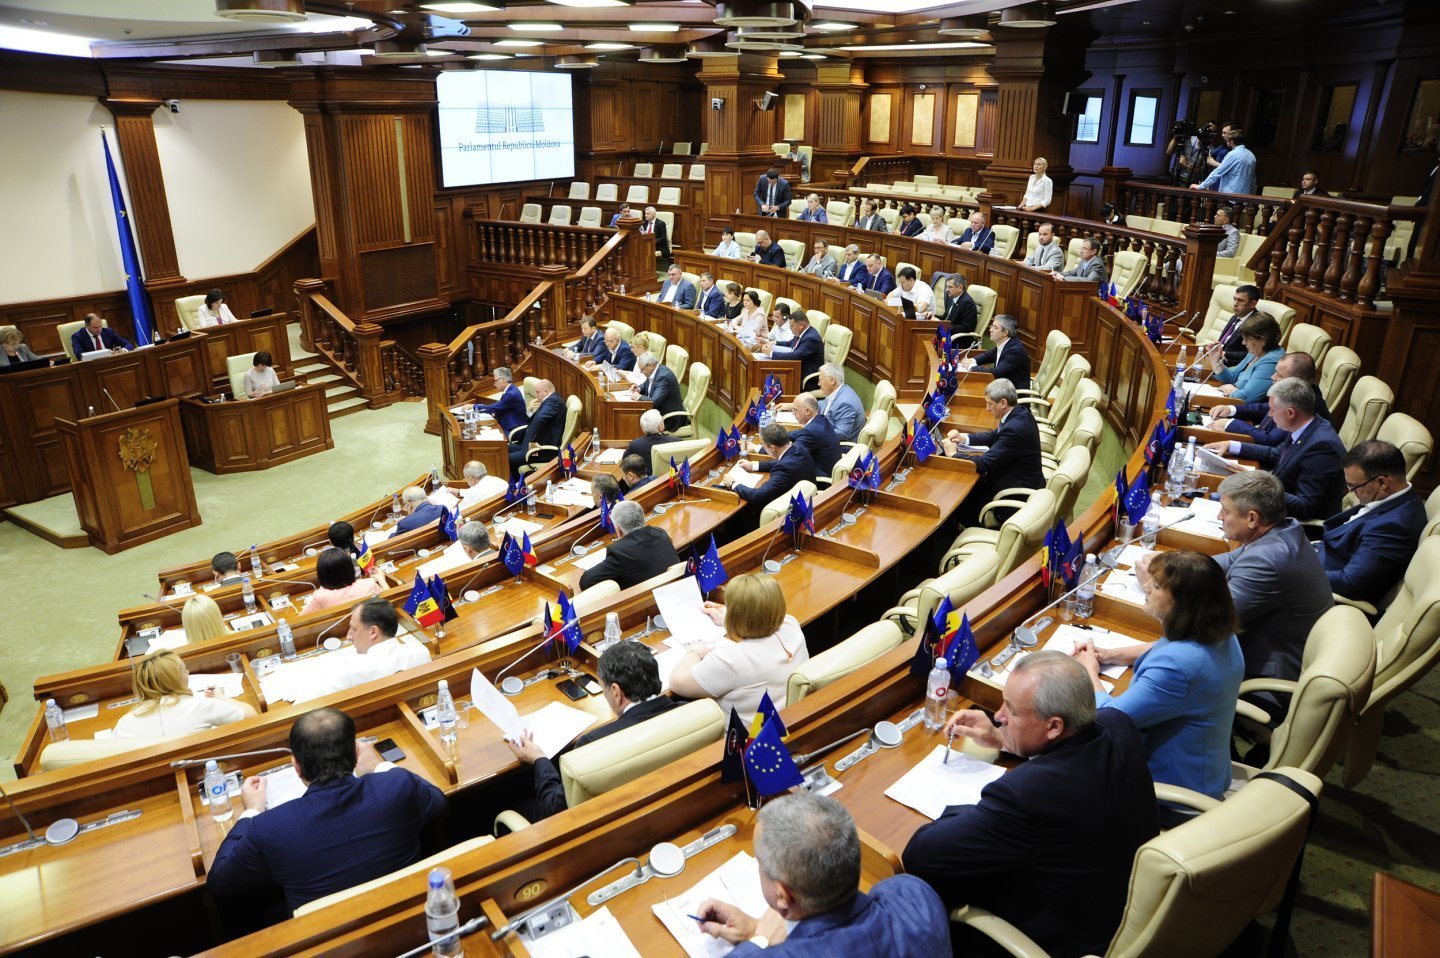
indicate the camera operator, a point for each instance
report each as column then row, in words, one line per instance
column 1177, row 151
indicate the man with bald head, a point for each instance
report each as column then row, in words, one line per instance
column 616, row 352
column 816, row 436
column 546, row 427
column 767, row 251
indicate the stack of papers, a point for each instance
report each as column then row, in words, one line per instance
column 373, row 537
column 739, row 477
column 786, row 418
column 736, row 882
column 445, row 498
column 282, row 784
column 227, row 684
column 934, row 784
column 517, row 527
column 683, row 609
column 244, row 623
column 452, row 558
column 597, row 936
column 1067, row 636
column 573, row 492
column 610, row 456
column 553, row 727
column 1123, row 584
column 1201, row 389
column 490, row 433
column 301, row 680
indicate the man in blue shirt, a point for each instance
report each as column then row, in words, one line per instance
column 809, row 856
column 1236, row 173
column 419, row 511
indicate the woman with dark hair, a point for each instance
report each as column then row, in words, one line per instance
column 214, row 312
column 1183, row 691
column 335, row 576
column 261, row 380
column 342, row 536
column 1249, row 379
column 733, row 305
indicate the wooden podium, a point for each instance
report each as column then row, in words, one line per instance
column 130, row 475
column 257, row 433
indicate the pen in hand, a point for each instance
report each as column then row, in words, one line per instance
column 949, row 740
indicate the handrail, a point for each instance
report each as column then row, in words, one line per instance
column 354, row 349
column 1252, row 214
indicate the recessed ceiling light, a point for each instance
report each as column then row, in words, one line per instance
column 591, row 3
column 535, row 27
column 958, row 45
column 458, row 6
column 609, row 46
column 44, row 41
column 813, row 56
column 488, row 56
column 576, row 62
column 519, row 43
column 655, row 27
column 832, row 26
column 790, row 53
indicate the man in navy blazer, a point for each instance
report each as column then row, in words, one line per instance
column 808, row 852
column 346, row 829
column 977, row 235
column 1050, row 844
column 807, row 346
column 1366, row 549
column 509, row 409
column 962, row 313
column 1008, row 360
column 419, row 511
column 1012, row 460
column 662, row 389
column 653, row 225
column 772, row 194
column 1308, row 463
column 1253, row 419
column 677, row 291
column 614, row 351
column 816, row 436
column 840, row 405
column 546, row 428
column 96, row 335
column 767, row 251
column 790, row 464
column 852, row 268
column 591, row 340
column 876, row 276
column 710, row 301
column 910, row 224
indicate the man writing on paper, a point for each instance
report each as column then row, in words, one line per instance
column 509, row 410
column 641, row 552
column 789, row 465
column 375, row 651
column 346, row 829
column 1049, row 846
column 631, row 687
column 809, row 856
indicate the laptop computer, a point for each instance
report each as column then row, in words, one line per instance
column 908, row 307
column 262, row 312
column 16, row 367
column 285, row 386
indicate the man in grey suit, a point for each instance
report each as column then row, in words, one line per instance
column 1047, row 255
column 840, row 404
column 870, row 218
column 1278, row 582
column 1091, row 267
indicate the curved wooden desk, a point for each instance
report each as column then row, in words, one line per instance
column 256, row 434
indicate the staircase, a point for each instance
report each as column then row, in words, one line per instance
column 341, row 398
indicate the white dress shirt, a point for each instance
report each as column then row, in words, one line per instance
column 730, row 250
column 920, row 294
column 211, row 318
column 347, row 668
column 939, row 232
column 1038, row 190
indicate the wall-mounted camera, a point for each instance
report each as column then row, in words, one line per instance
column 173, row 105
column 716, row 102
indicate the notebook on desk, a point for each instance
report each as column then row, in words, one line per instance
column 85, row 357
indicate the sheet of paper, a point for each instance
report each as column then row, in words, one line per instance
column 1207, row 461
column 245, row 623
column 1065, row 637
column 569, row 497
column 169, row 639
column 683, row 608
column 556, row 726
column 1123, row 584
column 610, row 456
column 517, row 528
column 452, row 558
column 228, row 684
column 282, row 785
column 591, row 560
column 301, row 680
column 495, row 707
column 1201, row 389
column 739, row 477
column 786, row 418
column 736, row 882
column 598, row 936
column 934, row 784
column 373, row 537
column 1205, row 520
column 1132, row 553
column 665, row 660
column 490, row 433
column 444, row 497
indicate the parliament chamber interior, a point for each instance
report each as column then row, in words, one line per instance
column 997, row 435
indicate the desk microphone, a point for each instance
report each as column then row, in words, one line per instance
column 580, row 548
column 111, row 398
column 513, row 685
column 160, row 601
column 326, row 631
column 1025, row 637
column 191, row 762
column 313, row 545
column 60, row 831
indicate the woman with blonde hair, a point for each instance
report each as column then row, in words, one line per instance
column 762, row 646
column 1039, row 189
column 167, row 705
column 201, row 619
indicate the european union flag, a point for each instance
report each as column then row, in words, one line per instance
column 766, row 713
column 732, row 443
column 732, row 764
column 606, row 522
column 1137, row 498
column 962, row 652
column 872, row 472
column 450, row 522
column 569, row 625
column 129, row 256
column 441, row 595
column 769, row 763
column 511, row 555
column 752, row 415
column 419, row 595
column 937, row 408
column 711, row 572
column 684, row 475
column 924, row 443
column 721, row 438
column 516, row 490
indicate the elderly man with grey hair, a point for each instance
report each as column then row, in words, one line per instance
column 840, row 404
column 1011, row 458
column 1063, row 825
column 639, row 552
column 655, row 226
column 474, row 475
column 850, row 268
column 474, row 539
column 541, row 441
column 419, row 511
column 816, row 436
column 662, row 389
column 808, row 851
column 652, row 429
column 509, row 408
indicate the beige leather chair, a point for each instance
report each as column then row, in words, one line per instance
column 985, row 303
column 775, row 509
column 794, row 249
column 626, row 331
column 819, row 320
column 1087, row 395
column 1337, row 376
column 704, row 148
column 416, row 870
column 1411, row 437
column 1137, row 222
column 1057, row 350
column 925, row 179
column 697, row 171
column 1370, row 403
column 681, row 149
column 1065, row 479
column 1217, row 313
column 746, row 241
column 78, row 751
column 685, row 424
column 839, row 213
column 837, row 349
column 644, row 169
column 1279, row 312
column 1081, row 432
column 1015, row 541
column 1432, row 514
column 560, row 215
column 1407, row 640
column 1194, row 888
column 883, row 398
column 579, row 191
column 890, row 215
column 671, row 171
column 668, row 218
column 691, row 449
column 637, row 194
column 530, row 213
column 874, row 433
column 1072, row 253
column 677, row 358
column 835, row 663
column 607, row 193
column 669, row 195
column 1127, row 272
column 236, row 367
column 1233, row 270
column 67, row 330
column 1006, row 239
column 787, row 301
column 589, row 217
column 1305, row 338
column 1050, row 408
column 572, row 418
column 972, row 576
column 187, row 308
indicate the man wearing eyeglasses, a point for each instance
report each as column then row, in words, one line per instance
column 1366, row 548
column 1253, row 419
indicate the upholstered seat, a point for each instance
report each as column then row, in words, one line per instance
column 1305, row 338
column 235, row 368
column 644, row 169
column 619, row 759
column 1057, row 350
column 837, row 348
column 77, row 751
column 835, row 663
column 680, row 449
column 560, row 215
column 697, row 171
column 1127, row 272
column 589, row 216
column 1370, row 403
column 187, row 308
column 607, row 193
column 637, row 194
column 67, row 330
column 685, row 424
column 875, row 431
column 669, row 195
column 626, row 331
column 794, row 249
column 776, row 508
column 671, row 171
column 677, row 358
column 1065, row 479
column 1411, row 437
column 530, row 213
column 681, row 149
column 417, row 870
column 883, row 398
column 572, row 418
column 986, row 300
column 579, row 191
column 1015, row 541
column 1081, row 431
column 962, row 583
column 1337, row 376
column 1006, row 239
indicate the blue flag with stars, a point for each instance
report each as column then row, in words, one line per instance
column 962, row 653
column 516, row 490
column 937, row 408
column 570, row 632
column 129, row 255
column 924, row 443
column 1137, row 498
column 732, row 443
column 511, row 555
column 711, row 572
column 450, row 523
column 768, row 761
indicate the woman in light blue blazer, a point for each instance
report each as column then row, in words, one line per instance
column 1183, row 690
column 1249, row 380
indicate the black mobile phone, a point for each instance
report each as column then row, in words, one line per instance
column 572, row 690
column 389, row 751
column 589, row 684
column 545, row 515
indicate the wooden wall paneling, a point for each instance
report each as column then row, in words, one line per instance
column 149, row 209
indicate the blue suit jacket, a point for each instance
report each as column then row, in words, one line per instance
column 902, row 917
column 1014, row 363
column 809, row 348
column 1182, row 696
column 1265, row 431
column 785, row 472
column 819, row 441
column 782, row 195
column 509, row 409
column 590, row 345
column 427, row 513
column 684, row 293
column 663, row 391
column 852, row 274
column 1366, row 557
column 340, row 833
column 981, row 242
column 1013, row 459
column 881, row 282
column 623, row 357
column 711, row 302
column 845, row 412
column 1310, row 469
column 1251, row 378
column 771, row 255
column 81, row 342
column 548, row 424
column 1063, row 826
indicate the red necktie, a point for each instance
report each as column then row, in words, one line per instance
column 98, row 343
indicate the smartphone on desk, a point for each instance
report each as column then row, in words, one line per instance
column 389, row 751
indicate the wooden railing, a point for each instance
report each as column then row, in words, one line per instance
column 953, row 206
column 1333, row 246
column 381, row 371
column 530, row 244
column 1252, row 214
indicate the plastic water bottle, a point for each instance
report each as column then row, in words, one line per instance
column 248, row 591
column 1150, row 525
column 549, row 490
column 1085, row 596
column 937, row 690
column 445, row 713
column 530, row 503
column 395, row 505
column 255, row 565
column 1189, row 460
column 612, row 628
column 55, row 722
column 218, row 793
column 1175, row 473
column 287, row 641
column 1180, row 362
column 594, row 442
column 442, row 915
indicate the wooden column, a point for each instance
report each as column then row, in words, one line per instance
column 841, row 86
column 739, row 134
column 555, row 311
column 1113, row 176
column 368, row 367
column 1201, row 241
column 435, row 357
column 1412, row 336
column 149, row 209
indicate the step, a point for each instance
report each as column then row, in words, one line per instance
column 310, row 369
column 345, row 407
column 324, row 380
column 339, row 392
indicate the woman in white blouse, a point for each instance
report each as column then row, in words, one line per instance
column 751, row 321
column 214, row 311
column 1038, row 188
column 728, row 247
column 167, row 705
column 260, row 379
column 939, row 229
column 763, row 645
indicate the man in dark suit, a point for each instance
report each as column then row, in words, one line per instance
column 870, row 218
column 910, row 224
column 1308, row 462
column 655, row 226
column 772, row 194
column 1309, row 186
column 677, row 291
column 546, row 428
column 876, row 276
column 767, row 251
column 1253, row 420
column 634, row 472
column 614, row 351
column 346, row 829
column 641, row 552
column 789, row 464
column 977, row 236
column 807, row 346
column 1244, row 302
column 816, row 436
column 419, row 511
column 1366, row 549
column 1008, row 360
column 509, row 409
column 662, row 389
column 96, row 335
column 591, row 339
column 961, row 312
column 652, row 434
column 1049, row 846
column 710, row 301
column 1012, row 460
column 630, row 683
column 852, row 267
